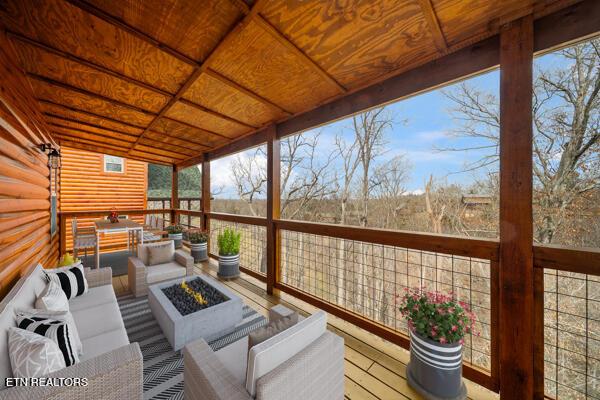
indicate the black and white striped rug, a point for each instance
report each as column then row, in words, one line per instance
column 163, row 367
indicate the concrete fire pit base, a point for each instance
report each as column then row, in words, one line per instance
column 210, row 323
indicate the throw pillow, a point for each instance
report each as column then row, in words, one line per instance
column 271, row 329
column 161, row 254
column 53, row 298
column 56, row 330
column 32, row 355
column 71, row 279
column 57, row 315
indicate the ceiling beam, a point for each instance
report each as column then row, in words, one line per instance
column 226, row 81
column 76, row 121
column 84, row 92
column 99, row 68
column 127, row 139
column 309, row 62
column 104, row 150
column 434, row 25
column 197, row 127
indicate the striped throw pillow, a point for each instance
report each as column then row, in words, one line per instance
column 57, row 331
column 71, row 279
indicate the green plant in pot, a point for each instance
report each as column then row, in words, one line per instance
column 198, row 245
column 437, row 324
column 175, row 234
column 229, row 253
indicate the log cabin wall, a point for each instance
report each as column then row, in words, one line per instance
column 85, row 186
column 25, row 238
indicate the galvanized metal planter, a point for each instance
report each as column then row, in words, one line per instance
column 435, row 370
column 199, row 251
column 177, row 238
column 229, row 266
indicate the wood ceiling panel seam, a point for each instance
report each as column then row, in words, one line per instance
column 91, row 114
column 72, row 88
column 181, row 152
column 71, row 57
column 195, row 127
column 215, row 113
column 75, row 138
column 434, row 25
column 188, row 142
column 114, row 150
column 83, row 131
column 91, row 148
column 214, row 74
column 270, row 29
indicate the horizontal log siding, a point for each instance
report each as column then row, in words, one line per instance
column 86, row 187
column 25, row 238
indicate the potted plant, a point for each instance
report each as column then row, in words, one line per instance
column 176, row 234
column 198, row 245
column 437, row 324
column 229, row 253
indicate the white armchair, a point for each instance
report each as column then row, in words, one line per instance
column 141, row 274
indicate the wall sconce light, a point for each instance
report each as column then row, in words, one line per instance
column 53, row 155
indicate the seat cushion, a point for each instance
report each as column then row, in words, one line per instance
column 93, row 321
column 94, row 297
column 103, row 343
column 235, row 357
column 163, row 272
column 271, row 329
column 268, row 355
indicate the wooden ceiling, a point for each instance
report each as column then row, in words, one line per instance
column 166, row 80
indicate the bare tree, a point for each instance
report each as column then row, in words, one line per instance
column 388, row 183
column 250, row 176
column 566, row 116
column 435, row 207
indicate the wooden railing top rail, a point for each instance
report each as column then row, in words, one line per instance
column 243, row 219
column 448, row 244
column 194, row 213
column 100, row 213
column 563, row 258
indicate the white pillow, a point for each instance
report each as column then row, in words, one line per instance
column 32, row 355
column 268, row 355
column 65, row 316
column 71, row 279
column 53, row 298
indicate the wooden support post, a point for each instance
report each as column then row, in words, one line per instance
column 516, row 276
column 205, row 200
column 174, row 195
column 273, row 208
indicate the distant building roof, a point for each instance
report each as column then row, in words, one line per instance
column 475, row 199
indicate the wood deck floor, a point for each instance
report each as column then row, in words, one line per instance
column 375, row 368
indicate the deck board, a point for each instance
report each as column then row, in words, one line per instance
column 374, row 368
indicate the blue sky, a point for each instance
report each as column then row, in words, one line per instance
column 423, row 123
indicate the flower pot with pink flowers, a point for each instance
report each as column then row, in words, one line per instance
column 438, row 324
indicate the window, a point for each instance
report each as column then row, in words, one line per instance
column 113, row 164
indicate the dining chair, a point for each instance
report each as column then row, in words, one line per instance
column 83, row 239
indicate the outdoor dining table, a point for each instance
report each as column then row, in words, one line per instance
column 135, row 232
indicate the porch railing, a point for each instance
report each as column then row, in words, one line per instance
column 355, row 273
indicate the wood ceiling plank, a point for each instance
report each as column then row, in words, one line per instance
column 91, row 104
column 49, row 65
column 60, row 110
column 87, row 140
column 254, row 59
column 434, row 25
column 162, row 151
column 182, row 111
column 215, row 113
column 107, row 150
column 176, row 141
column 182, row 25
column 212, row 93
column 68, row 28
column 66, row 131
column 355, row 42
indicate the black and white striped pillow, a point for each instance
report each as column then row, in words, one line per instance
column 71, row 279
column 57, row 331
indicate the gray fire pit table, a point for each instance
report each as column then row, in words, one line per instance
column 209, row 324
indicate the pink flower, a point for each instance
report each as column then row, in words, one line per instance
column 443, row 340
column 433, row 333
column 454, row 328
column 461, row 341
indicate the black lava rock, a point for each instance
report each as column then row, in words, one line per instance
column 187, row 304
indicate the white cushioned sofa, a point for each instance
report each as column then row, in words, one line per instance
column 112, row 365
column 303, row 362
column 141, row 274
